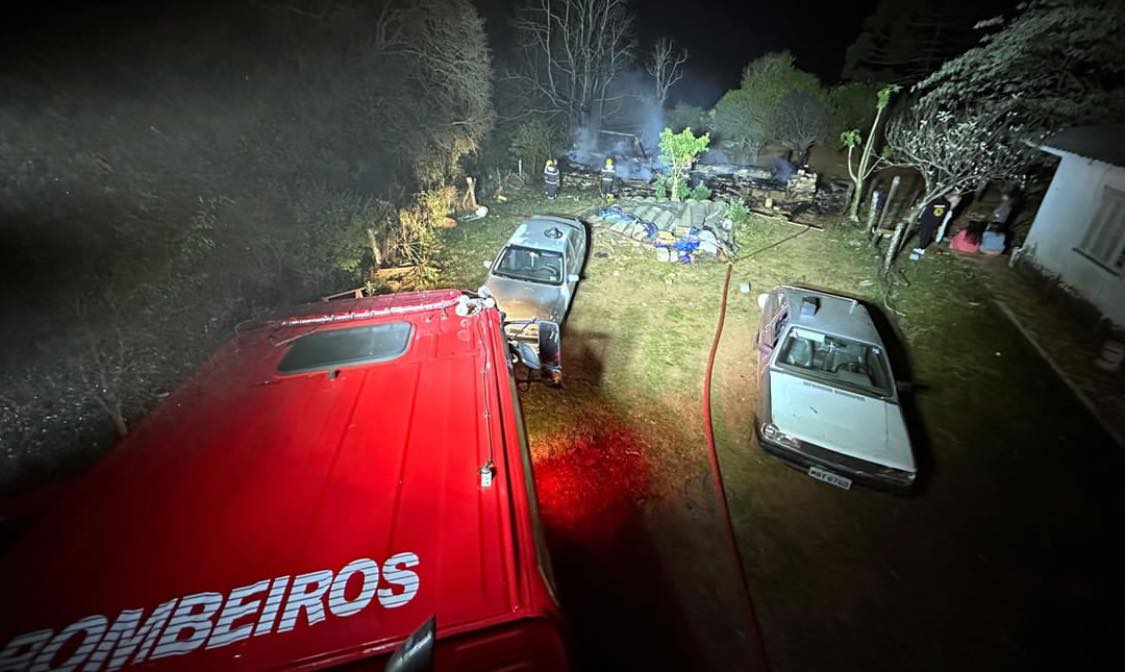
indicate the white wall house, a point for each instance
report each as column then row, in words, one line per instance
column 1079, row 231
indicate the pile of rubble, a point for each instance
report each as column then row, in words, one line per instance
column 759, row 189
column 577, row 176
column 686, row 230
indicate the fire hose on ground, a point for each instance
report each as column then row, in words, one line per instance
column 758, row 648
column 753, row 633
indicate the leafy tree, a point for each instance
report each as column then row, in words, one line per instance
column 850, row 106
column 771, row 77
column 738, row 121
column 748, row 116
column 533, row 143
column 801, row 121
column 862, row 166
column 679, row 151
column 977, row 119
column 272, row 180
column 1056, row 63
column 903, row 41
column 684, row 116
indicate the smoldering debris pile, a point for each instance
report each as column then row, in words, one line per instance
column 760, row 189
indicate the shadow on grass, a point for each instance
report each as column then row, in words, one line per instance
column 594, row 472
column 902, row 368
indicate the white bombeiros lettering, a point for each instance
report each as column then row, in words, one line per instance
column 394, row 574
column 190, row 625
column 182, row 625
column 273, row 605
column 308, row 594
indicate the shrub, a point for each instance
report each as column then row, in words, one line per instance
column 679, row 151
column 737, row 211
column 533, row 143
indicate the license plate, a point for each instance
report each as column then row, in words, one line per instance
column 830, row 478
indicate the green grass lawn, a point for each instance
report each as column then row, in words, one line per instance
column 975, row 570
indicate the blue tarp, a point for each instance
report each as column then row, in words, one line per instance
column 685, row 246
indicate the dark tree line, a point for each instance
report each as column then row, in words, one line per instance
column 166, row 172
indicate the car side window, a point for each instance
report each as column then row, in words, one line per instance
column 572, row 253
column 778, row 313
column 779, row 322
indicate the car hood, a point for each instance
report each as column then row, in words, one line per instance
column 839, row 420
column 524, row 300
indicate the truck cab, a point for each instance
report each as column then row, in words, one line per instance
column 335, row 481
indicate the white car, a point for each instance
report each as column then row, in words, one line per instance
column 537, row 271
column 828, row 400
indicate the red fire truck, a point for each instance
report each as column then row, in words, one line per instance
column 345, row 485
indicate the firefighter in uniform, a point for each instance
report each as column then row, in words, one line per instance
column 609, row 177
column 551, row 179
column 936, row 215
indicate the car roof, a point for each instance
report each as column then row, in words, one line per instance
column 243, row 474
column 836, row 315
column 532, row 232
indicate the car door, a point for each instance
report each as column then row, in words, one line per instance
column 573, row 262
column 773, row 322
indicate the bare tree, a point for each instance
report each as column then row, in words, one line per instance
column 801, row 121
column 574, row 49
column 105, row 372
column 665, row 66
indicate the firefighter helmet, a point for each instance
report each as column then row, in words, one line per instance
column 609, row 162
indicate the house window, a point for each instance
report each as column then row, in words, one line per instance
column 1104, row 241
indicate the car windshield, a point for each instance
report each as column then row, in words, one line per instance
column 837, row 360
column 524, row 263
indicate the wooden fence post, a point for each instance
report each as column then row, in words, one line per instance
column 872, row 210
column 886, row 208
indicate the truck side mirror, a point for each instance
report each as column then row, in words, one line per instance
column 550, row 351
column 488, row 265
column 528, row 356
column 762, row 298
column 573, row 277
column 416, row 652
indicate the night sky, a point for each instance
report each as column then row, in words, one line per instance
column 724, row 36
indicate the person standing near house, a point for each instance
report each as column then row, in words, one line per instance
column 1003, row 212
column 609, row 178
column 936, row 213
column 551, row 179
column 995, row 238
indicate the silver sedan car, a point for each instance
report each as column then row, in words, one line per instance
column 537, row 271
column 829, row 402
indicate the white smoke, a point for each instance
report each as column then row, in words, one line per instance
column 631, row 137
